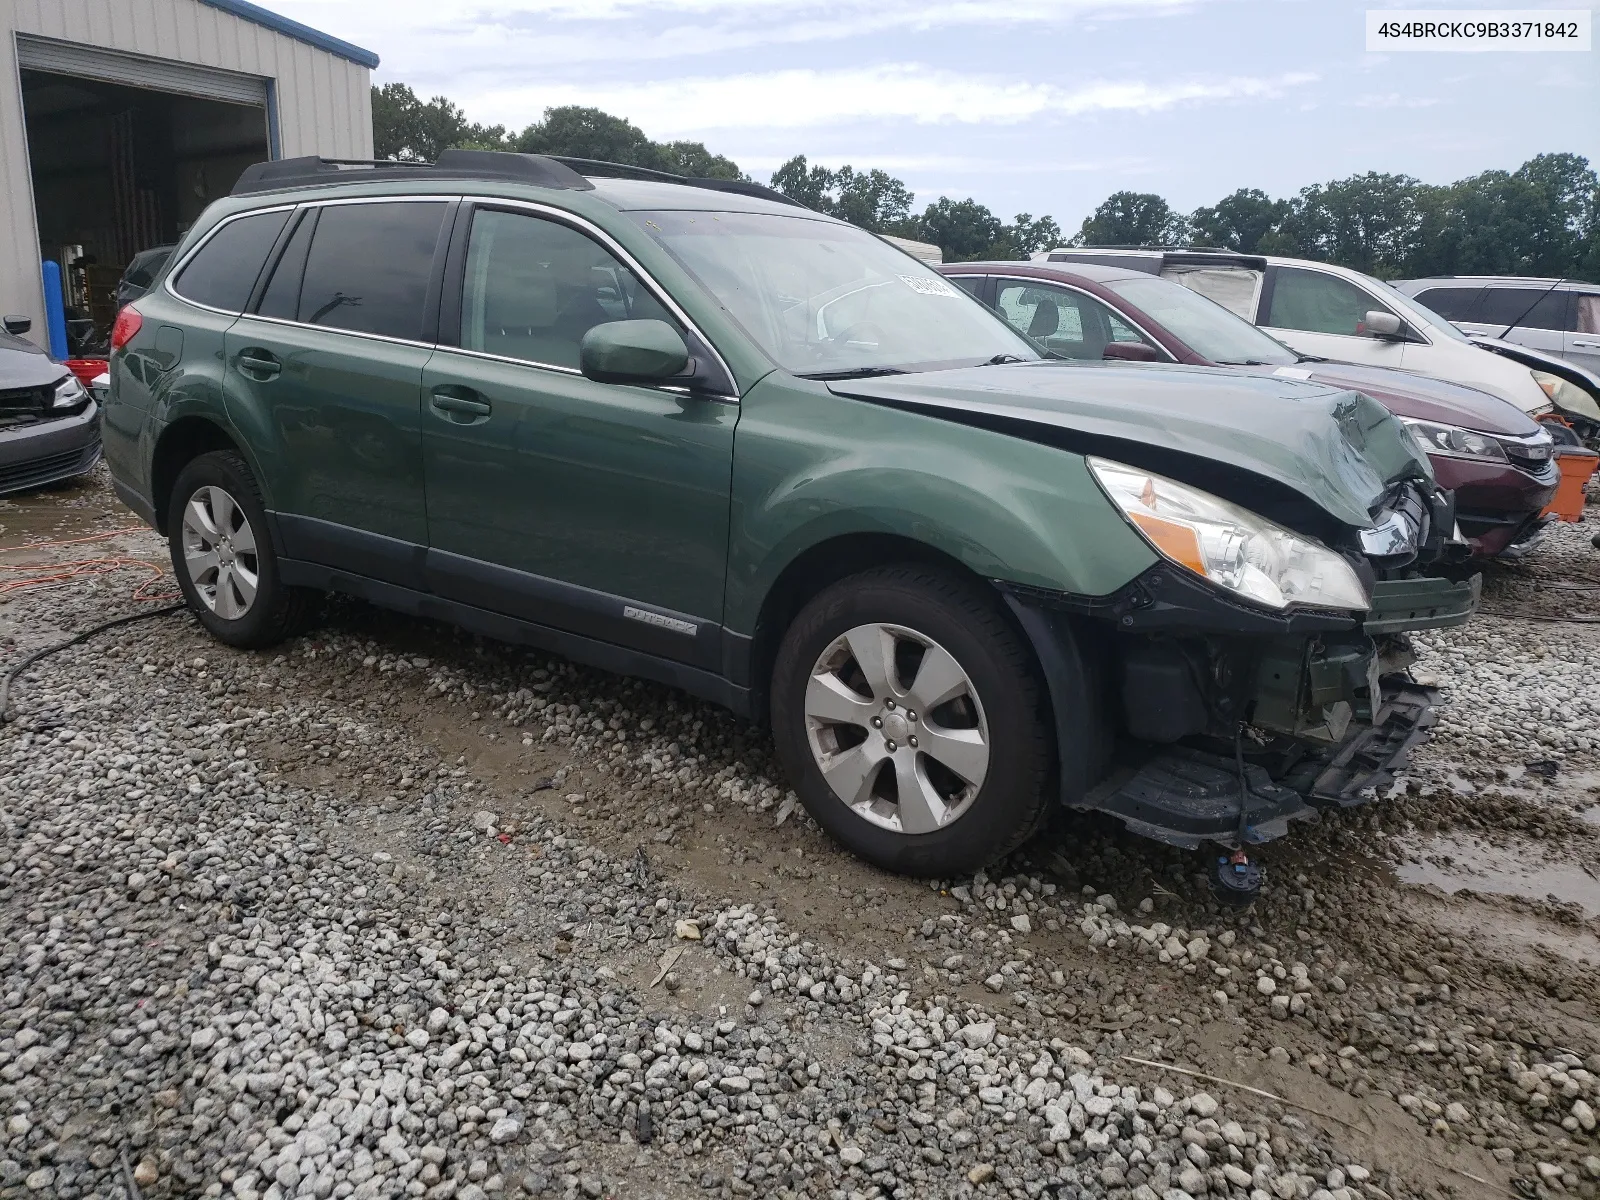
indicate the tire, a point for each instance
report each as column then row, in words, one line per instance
column 962, row 816
column 234, row 590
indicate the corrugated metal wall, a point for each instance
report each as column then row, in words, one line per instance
column 324, row 102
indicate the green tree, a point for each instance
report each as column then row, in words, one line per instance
column 1239, row 221
column 874, row 200
column 1026, row 236
column 1369, row 222
column 406, row 127
column 1133, row 219
column 579, row 132
column 964, row 230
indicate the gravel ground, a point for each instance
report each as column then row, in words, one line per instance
column 398, row 912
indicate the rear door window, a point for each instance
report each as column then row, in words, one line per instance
column 1316, row 302
column 1523, row 308
column 1235, row 288
column 1451, row 303
column 369, row 266
column 223, row 271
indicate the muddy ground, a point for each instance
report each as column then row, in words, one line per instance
column 1419, row 985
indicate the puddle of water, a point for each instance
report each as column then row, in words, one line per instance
column 1452, row 863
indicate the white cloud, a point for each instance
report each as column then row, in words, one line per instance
column 805, row 98
column 418, row 38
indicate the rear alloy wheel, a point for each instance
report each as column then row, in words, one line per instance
column 223, row 557
column 909, row 716
column 219, row 551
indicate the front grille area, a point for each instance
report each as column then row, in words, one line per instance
column 39, row 471
column 24, row 406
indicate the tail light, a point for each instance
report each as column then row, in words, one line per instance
column 128, row 323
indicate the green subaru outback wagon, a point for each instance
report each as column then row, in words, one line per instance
column 690, row 431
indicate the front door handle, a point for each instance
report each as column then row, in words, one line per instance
column 260, row 365
column 1586, row 345
column 460, row 405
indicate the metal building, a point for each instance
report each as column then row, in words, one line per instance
column 120, row 120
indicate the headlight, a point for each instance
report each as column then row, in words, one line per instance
column 1566, row 394
column 69, row 393
column 1454, row 441
column 1231, row 546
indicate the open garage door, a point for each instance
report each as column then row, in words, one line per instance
column 125, row 152
column 135, row 70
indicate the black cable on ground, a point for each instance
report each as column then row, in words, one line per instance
column 5, row 682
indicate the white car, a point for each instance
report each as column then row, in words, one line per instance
column 1336, row 313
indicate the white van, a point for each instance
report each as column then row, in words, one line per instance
column 1333, row 312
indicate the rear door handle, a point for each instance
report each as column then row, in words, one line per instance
column 260, row 365
column 460, row 405
column 1586, row 345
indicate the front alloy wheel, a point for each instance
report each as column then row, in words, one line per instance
column 219, row 552
column 896, row 728
column 909, row 714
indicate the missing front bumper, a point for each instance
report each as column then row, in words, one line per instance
column 1187, row 797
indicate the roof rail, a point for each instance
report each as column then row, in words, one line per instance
column 540, row 170
column 314, row 171
column 1152, row 258
column 741, row 187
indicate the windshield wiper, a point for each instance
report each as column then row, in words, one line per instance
column 1002, row 359
column 851, row 373
column 1247, row 362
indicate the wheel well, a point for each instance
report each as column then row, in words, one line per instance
column 824, row 564
column 182, row 442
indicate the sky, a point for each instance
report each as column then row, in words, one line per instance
column 1037, row 106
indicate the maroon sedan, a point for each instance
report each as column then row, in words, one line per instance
column 1498, row 460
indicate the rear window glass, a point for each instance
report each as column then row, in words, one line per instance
column 224, row 270
column 369, row 266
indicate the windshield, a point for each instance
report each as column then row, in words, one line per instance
column 1203, row 325
column 1418, row 309
column 826, row 299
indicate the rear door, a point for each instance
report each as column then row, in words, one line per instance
column 596, row 508
column 1536, row 317
column 1582, row 342
column 325, row 378
column 1324, row 315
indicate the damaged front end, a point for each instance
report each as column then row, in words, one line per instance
column 1216, row 700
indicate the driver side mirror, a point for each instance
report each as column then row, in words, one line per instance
column 17, row 325
column 1378, row 324
column 633, row 352
column 1131, row 352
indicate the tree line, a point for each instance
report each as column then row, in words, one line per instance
column 1541, row 219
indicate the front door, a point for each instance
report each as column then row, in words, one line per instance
column 597, row 508
column 326, row 378
column 1324, row 315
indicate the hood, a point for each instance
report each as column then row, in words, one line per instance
column 1335, row 447
column 1428, row 399
column 24, row 365
column 1542, row 360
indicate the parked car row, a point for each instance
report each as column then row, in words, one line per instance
column 1499, row 462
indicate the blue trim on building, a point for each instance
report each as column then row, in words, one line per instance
column 300, row 33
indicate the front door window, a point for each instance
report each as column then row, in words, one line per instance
column 1316, row 302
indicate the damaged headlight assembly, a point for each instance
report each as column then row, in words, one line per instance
column 1437, row 438
column 1230, row 546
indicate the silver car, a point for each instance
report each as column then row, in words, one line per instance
column 1558, row 316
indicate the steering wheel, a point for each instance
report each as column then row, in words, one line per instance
column 860, row 331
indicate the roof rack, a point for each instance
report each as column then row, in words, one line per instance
column 740, row 187
column 1152, row 258
column 313, row 171
column 540, row 170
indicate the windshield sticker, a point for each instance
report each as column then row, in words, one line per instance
column 927, row 287
column 1292, row 373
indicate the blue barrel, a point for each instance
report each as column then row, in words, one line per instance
column 55, row 312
